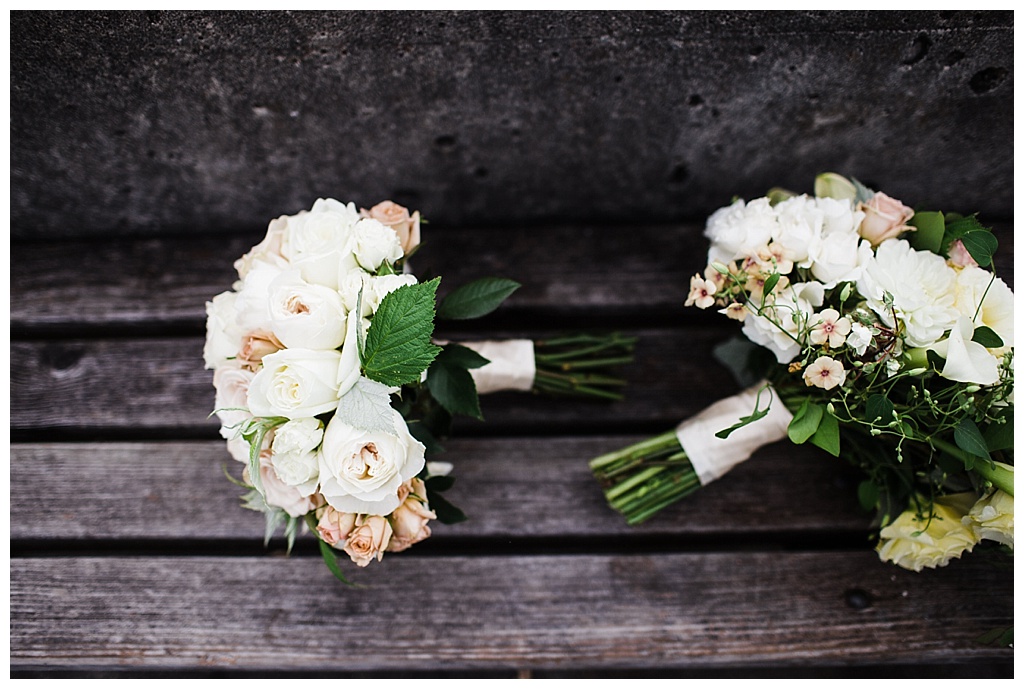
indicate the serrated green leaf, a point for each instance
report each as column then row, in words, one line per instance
column 476, row 299
column 461, row 356
column 987, row 337
column 931, row 228
column 969, row 439
column 827, row 435
column 454, row 389
column 879, row 410
column 398, row 347
column 957, row 226
column 805, row 421
column 834, row 186
column 367, row 405
column 981, row 245
column 867, row 494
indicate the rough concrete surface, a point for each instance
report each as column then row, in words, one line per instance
column 183, row 122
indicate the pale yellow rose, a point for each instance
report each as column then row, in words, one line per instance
column 991, row 518
column 930, row 539
column 406, row 226
column 409, row 520
column 884, row 218
column 368, row 540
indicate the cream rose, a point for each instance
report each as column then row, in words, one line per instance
column 232, row 382
column 373, row 244
column 294, row 453
column 268, row 250
column 277, row 493
column 991, row 518
column 409, row 520
column 368, row 540
column 884, row 218
column 397, row 217
column 362, row 471
column 320, row 243
column 255, row 346
column 296, row 384
column 223, row 333
column 305, row 315
column 374, row 289
column 791, row 309
column 252, row 308
column 914, row 542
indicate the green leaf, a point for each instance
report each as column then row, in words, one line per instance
column 454, row 389
column 770, row 283
column 367, row 405
column 867, row 494
column 999, row 436
column 827, row 435
column 805, row 421
column 835, row 186
column 969, row 439
column 756, row 415
column 476, row 299
column 440, row 484
column 275, row 518
column 446, row 512
column 987, row 337
column 464, row 357
column 419, row 431
column 386, row 269
column 331, row 560
column 981, row 245
column 957, row 226
column 864, row 194
column 777, row 195
column 746, row 361
column 879, row 410
column 931, row 228
column 398, row 347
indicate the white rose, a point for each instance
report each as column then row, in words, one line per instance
column 296, row 384
column 921, row 284
column 791, row 309
column 294, row 453
column 975, row 287
column 304, row 315
column 374, row 289
column 839, row 257
column 252, row 308
column 231, row 405
column 991, row 518
column 223, row 334
column 375, row 243
column 931, row 540
column 268, row 250
column 739, row 230
column 362, row 471
column 320, row 243
column 277, row 493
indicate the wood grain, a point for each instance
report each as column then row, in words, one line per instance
column 567, row 272
column 613, row 611
column 136, row 384
column 512, row 488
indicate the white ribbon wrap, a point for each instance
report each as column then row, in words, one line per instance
column 713, row 457
column 512, row 365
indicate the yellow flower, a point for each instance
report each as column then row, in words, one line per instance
column 930, row 539
column 991, row 518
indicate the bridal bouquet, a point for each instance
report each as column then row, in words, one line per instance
column 331, row 390
column 876, row 333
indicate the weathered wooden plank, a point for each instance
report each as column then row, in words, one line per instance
column 160, row 383
column 512, row 488
column 612, row 611
column 631, row 271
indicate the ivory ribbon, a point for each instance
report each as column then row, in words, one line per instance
column 512, row 365
column 713, row 457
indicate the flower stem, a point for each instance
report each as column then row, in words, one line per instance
column 578, row 365
column 998, row 475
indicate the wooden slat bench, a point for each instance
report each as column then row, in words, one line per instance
column 130, row 553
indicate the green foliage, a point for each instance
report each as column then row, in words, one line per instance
column 835, row 186
column 446, row 512
column 746, row 361
column 867, row 494
column 756, row 415
column 331, row 560
column 254, row 431
column 420, row 431
column 450, row 382
column 827, row 435
column 805, row 422
column 931, row 228
column 969, row 439
column 982, row 245
column 770, row 284
column 879, row 410
column 367, row 405
column 999, row 436
column 476, row 299
column 987, row 337
column 398, row 347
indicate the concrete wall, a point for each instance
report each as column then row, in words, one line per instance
column 174, row 122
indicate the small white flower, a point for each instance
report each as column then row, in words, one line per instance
column 827, row 326
column 702, row 292
column 859, row 338
column 783, row 321
column 825, row 373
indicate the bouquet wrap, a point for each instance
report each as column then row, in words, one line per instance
column 512, row 365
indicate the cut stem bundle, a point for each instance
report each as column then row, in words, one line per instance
column 578, row 365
